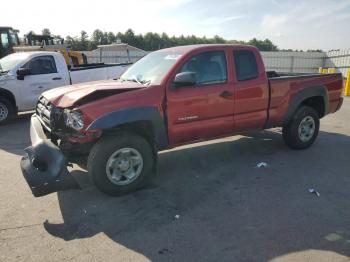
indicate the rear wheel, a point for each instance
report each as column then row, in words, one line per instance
column 302, row 130
column 7, row 110
column 121, row 164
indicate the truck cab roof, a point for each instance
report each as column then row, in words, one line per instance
column 190, row 48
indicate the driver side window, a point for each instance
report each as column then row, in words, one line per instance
column 209, row 67
column 41, row 65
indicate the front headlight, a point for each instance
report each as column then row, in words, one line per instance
column 73, row 119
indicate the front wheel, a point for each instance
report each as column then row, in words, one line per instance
column 121, row 164
column 7, row 110
column 302, row 130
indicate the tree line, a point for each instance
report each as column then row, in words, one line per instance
column 154, row 41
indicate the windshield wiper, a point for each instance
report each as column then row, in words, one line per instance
column 145, row 82
column 141, row 82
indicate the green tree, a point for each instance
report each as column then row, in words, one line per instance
column 83, row 41
column 111, row 37
column 263, row 45
column 153, row 41
column 46, row 31
column 97, row 37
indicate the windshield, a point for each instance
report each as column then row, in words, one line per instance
column 152, row 68
column 10, row 61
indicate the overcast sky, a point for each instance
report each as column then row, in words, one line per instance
column 313, row 24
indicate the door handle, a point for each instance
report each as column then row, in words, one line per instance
column 40, row 87
column 226, row 94
column 57, row 78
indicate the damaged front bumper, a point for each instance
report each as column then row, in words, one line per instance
column 44, row 166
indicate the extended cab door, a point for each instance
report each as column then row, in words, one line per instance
column 205, row 110
column 251, row 90
column 44, row 76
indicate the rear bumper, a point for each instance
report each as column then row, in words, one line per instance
column 44, row 166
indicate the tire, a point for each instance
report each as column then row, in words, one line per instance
column 297, row 137
column 7, row 111
column 120, row 151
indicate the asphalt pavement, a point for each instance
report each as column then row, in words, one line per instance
column 209, row 203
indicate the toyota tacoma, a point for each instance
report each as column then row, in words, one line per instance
column 169, row 98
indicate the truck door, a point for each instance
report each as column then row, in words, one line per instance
column 205, row 110
column 250, row 91
column 44, row 76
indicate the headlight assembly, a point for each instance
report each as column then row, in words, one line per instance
column 73, row 119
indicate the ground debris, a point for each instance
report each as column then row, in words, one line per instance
column 165, row 251
column 261, row 165
column 313, row 191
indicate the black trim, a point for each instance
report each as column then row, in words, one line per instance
column 132, row 115
column 96, row 65
column 267, row 124
column 301, row 75
column 304, row 94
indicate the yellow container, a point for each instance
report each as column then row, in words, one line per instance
column 347, row 85
column 331, row 70
column 325, row 71
column 320, row 70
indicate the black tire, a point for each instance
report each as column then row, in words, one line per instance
column 105, row 148
column 290, row 132
column 7, row 108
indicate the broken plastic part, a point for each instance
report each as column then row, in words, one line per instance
column 44, row 168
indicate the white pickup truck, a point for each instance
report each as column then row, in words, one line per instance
column 24, row 76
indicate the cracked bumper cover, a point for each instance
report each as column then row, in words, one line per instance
column 44, row 166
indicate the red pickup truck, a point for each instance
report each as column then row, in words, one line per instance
column 170, row 97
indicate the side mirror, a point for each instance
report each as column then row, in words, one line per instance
column 185, row 79
column 22, row 72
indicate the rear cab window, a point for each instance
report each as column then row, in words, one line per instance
column 209, row 67
column 246, row 65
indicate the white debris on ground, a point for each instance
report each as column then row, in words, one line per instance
column 261, row 165
column 177, row 216
column 313, row 191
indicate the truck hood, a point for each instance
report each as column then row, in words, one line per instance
column 68, row 96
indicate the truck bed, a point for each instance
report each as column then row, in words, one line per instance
column 100, row 71
column 284, row 87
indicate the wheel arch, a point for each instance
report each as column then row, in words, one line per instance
column 144, row 121
column 315, row 97
column 8, row 95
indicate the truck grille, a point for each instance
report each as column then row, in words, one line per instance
column 43, row 111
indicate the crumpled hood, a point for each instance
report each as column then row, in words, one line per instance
column 68, row 96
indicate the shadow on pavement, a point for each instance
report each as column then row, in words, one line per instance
column 14, row 136
column 211, row 203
